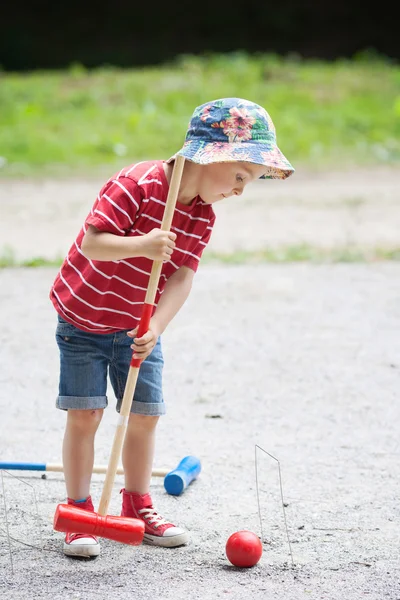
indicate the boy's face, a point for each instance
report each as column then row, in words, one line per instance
column 222, row 180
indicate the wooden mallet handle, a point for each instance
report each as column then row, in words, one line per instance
column 143, row 328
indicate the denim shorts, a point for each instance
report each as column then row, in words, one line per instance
column 86, row 359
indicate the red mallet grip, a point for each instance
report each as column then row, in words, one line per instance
column 143, row 328
column 120, row 529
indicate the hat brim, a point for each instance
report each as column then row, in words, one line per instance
column 268, row 155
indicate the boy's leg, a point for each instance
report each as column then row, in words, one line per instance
column 138, row 450
column 78, row 451
column 78, row 460
column 82, row 392
column 147, row 406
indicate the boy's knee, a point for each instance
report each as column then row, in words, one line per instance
column 87, row 420
column 143, row 421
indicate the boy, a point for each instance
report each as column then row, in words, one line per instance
column 100, row 288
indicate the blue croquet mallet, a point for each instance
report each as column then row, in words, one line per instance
column 58, row 468
column 187, row 471
column 175, row 482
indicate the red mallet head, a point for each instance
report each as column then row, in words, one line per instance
column 243, row 549
column 120, row 529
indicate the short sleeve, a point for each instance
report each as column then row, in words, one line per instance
column 192, row 262
column 116, row 207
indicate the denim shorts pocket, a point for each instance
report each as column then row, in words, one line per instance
column 65, row 330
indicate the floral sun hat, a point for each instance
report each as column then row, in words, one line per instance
column 233, row 129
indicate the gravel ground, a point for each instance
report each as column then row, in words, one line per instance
column 302, row 360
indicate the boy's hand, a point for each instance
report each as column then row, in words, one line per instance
column 144, row 345
column 158, row 244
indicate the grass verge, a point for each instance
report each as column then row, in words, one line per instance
column 75, row 121
column 290, row 254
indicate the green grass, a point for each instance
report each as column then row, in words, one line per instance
column 70, row 122
column 305, row 253
column 8, row 260
column 289, row 254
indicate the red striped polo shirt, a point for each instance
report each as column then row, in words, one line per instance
column 107, row 296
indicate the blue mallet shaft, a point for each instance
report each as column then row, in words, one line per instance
column 58, row 468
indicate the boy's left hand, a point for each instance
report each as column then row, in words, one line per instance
column 144, row 345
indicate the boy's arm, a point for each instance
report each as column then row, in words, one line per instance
column 175, row 293
column 103, row 245
column 110, row 222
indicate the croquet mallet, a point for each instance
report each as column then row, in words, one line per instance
column 175, row 480
column 68, row 518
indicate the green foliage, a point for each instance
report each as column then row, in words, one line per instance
column 326, row 114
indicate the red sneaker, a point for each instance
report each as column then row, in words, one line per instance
column 158, row 531
column 81, row 544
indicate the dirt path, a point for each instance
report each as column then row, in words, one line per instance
column 358, row 208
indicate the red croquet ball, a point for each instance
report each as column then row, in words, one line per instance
column 243, row 549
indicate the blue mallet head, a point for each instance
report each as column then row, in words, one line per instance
column 177, row 480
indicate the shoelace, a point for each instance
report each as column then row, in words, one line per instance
column 150, row 514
